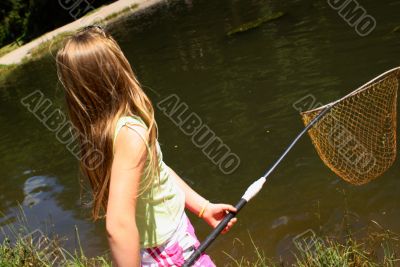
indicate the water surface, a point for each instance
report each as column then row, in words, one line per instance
column 243, row 87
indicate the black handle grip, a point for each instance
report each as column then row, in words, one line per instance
column 214, row 234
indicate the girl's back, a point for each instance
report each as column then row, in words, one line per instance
column 161, row 198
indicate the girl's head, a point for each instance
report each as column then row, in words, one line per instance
column 100, row 87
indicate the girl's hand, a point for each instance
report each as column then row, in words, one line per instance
column 214, row 213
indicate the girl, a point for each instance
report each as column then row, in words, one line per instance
column 142, row 197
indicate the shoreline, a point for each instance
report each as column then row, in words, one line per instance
column 101, row 15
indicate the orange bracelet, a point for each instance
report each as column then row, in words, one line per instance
column 203, row 209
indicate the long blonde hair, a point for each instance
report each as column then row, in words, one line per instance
column 101, row 87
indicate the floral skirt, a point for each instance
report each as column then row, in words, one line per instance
column 176, row 250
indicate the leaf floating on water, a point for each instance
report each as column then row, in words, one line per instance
column 397, row 29
column 255, row 23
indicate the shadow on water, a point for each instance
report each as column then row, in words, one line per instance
column 243, row 87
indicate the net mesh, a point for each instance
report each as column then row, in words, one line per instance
column 357, row 138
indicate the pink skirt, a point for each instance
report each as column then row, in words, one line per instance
column 176, row 250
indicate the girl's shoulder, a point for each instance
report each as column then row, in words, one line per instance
column 130, row 121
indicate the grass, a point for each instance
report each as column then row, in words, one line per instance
column 42, row 251
column 49, row 46
column 328, row 252
column 24, row 248
column 374, row 246
column 117, row 14
column 260, row 260
column 26, row 252
column 350, row 254
column 8, row 48
column 377, row 249
column 5, row 70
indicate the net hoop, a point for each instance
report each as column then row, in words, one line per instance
column 357, row 137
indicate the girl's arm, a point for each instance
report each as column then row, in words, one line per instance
column 212, row 213
column 127, row 167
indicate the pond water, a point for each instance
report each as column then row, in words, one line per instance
column 243, row 87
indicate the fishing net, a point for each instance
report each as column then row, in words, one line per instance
column 357, row 138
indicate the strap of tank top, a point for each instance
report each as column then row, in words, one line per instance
column 129, row 121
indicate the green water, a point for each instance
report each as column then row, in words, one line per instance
column 243, row 87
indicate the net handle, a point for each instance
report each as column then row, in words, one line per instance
column 251, row 192
column 256, row 186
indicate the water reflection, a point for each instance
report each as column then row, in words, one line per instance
column 38, row 189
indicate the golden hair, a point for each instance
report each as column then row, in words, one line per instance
column 100, row 87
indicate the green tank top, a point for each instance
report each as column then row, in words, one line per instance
column 160, row 207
